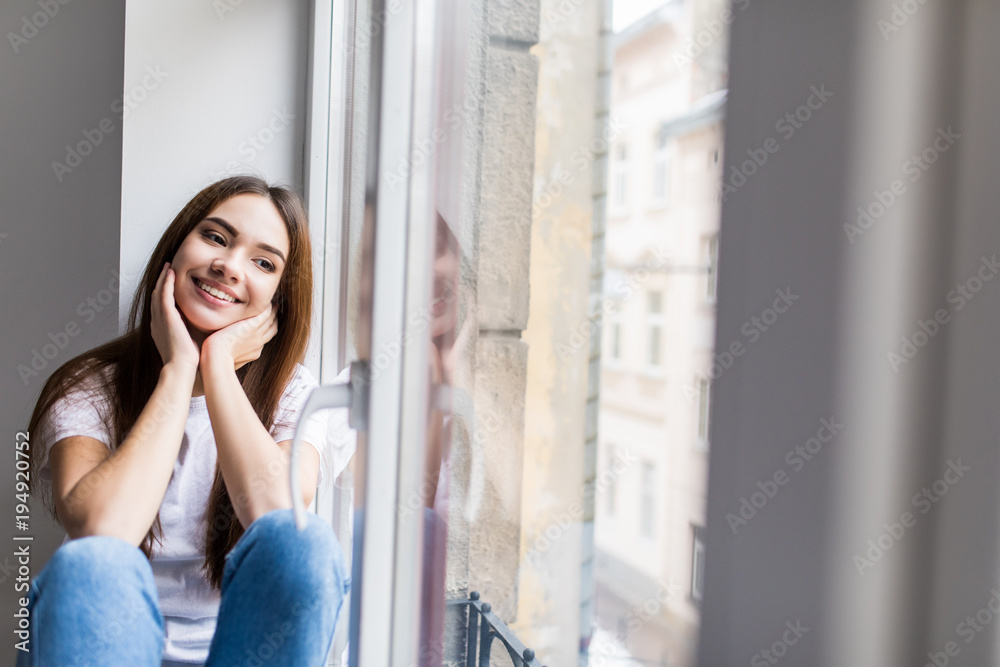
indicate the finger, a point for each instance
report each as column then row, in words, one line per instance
column 156, row 302
column 160, row 279
column 265, row 314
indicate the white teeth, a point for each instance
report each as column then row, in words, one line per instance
column 214, row 292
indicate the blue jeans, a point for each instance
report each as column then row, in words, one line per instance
column 95, row 601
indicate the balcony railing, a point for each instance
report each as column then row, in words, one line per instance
column 482, row 626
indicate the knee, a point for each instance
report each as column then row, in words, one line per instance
column 106, row 576
column 98, row 558
column 312, row 553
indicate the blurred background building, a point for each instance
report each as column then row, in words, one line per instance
column 658, row 332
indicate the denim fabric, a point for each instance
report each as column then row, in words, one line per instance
column 95, row 604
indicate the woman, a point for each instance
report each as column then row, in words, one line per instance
column 166, row 451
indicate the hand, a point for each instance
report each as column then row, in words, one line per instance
column 171, row 335
column 243, row 340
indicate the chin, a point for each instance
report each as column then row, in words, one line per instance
column 204, row 325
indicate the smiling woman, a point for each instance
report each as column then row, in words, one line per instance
column 171, row 442
column 229, row 266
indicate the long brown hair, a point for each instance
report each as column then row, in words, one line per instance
column 133, row 363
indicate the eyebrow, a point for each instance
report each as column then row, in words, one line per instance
column 232, row 232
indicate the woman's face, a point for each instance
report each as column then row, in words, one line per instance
column 240, row 249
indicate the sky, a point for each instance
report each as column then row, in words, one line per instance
column 625, row 12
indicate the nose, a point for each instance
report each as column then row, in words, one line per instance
column 226, row 267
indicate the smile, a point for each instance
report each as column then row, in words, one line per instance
column 214, row 292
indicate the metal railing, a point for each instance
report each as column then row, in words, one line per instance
column 482, row 627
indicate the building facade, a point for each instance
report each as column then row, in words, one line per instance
column 658, row 337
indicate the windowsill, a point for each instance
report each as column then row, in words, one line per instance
column 654, row 372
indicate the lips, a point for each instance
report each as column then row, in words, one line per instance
column 198, row 283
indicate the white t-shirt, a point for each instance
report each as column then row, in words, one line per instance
column 189, row 604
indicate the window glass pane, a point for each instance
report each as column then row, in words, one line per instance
column 580, row 266
column 666, row 241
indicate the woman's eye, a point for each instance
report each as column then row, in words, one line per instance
column 267, row 266
column 214, row 235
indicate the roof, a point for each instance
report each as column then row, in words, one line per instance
column 670, row 12
column 705, row 111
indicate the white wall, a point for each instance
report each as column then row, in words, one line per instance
column 230, row 74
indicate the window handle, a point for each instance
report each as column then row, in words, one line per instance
column 352, row 395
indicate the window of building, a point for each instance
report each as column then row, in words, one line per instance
column 655, row 326
column 611, row 490
column 621, row 177
column 704, row 408
column 647, row 500
column 712, row 282
column 698, row 564
column 616, row 337
column 662, row 164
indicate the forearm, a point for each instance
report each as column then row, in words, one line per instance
column 121, row 496
column 253, row 467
